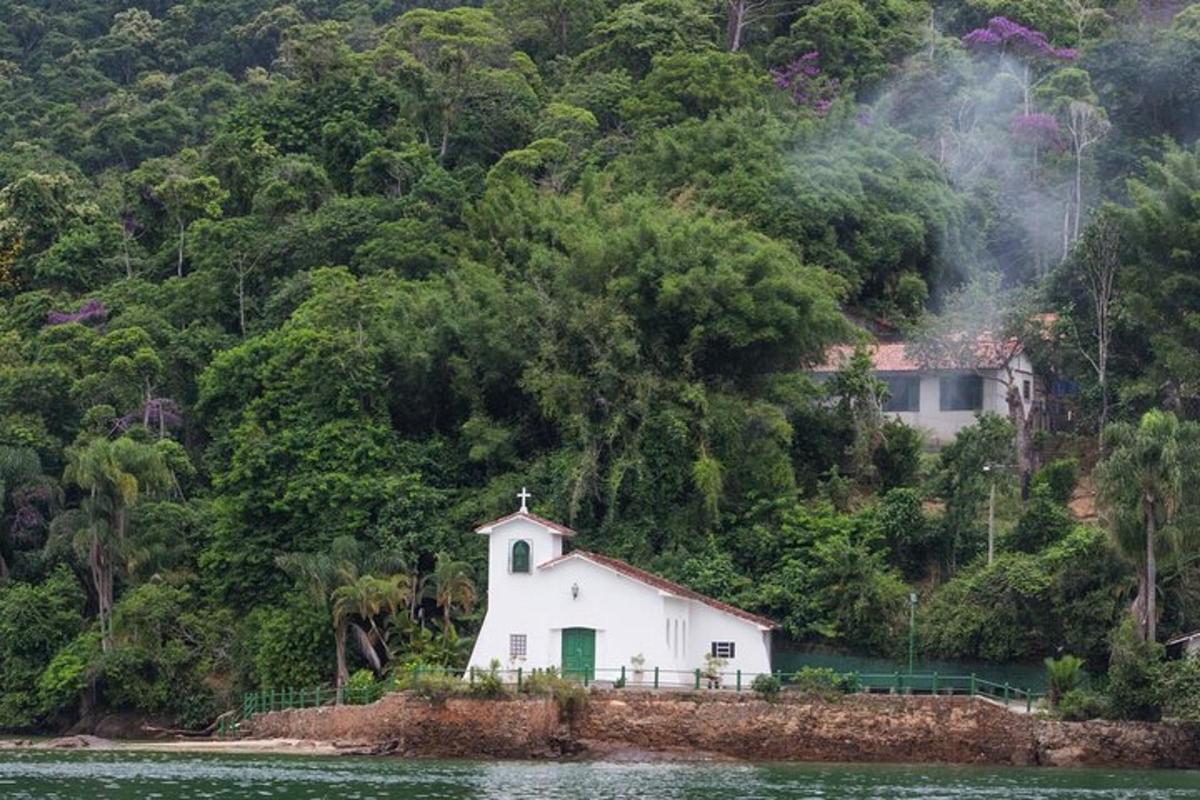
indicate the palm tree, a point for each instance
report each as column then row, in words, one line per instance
column 366, row 597
column 450, row 586
column 1062, row 675
column 114, row 474
column 1148, row 478
column 336, row 580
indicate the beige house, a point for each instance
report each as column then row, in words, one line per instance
column 942, row 399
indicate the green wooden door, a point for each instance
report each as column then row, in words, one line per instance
column 579, row 653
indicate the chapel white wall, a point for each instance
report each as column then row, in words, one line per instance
column 629, row 617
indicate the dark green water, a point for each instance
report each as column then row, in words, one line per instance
column 147, row 776
column 150, row 776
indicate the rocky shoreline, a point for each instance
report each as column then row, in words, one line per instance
column 633, row 726
column 646, row 726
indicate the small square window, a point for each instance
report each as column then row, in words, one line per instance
column 723, row 649
column 961, row 393
column 904, row 393
column 518, row 645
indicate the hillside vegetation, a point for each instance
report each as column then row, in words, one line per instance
column 293, row 295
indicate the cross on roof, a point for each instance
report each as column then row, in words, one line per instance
column 523, row 496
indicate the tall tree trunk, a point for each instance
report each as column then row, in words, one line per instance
column 343, row 674
column 1023, row 430
column 1078, row 191
column 1151, row 578
column 101, row 578
column 147, row 395
column 445, row 139
column 1103, row 407
column 734, row 25
column 1026, row 91
column 179, row 262
column 1066, row 231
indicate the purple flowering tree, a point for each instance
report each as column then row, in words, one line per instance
column 806, row 84
column 1028, row 48
column 1038, row 129
column 92, row 312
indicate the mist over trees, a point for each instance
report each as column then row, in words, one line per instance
column 292, row 295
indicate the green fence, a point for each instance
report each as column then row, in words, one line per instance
column 654, row 678
column 791, row 657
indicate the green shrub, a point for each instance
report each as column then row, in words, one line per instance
column 488, row 683
column 1044, row 522
column 1177, row 686
column 435, row 686
column 1063, row 675
column 907, row 531
column 291, row 645
column 1059, row 478
column 898, row 457
column 362, row 688
column 822, row 681
column 766, row 686
column 63, row 683
column 1079, row 705
column 1132, row 670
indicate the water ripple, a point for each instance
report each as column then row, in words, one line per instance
column 150, row 776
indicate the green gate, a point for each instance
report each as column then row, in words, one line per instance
column 579, row 653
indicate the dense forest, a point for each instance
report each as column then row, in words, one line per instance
column 294, row 294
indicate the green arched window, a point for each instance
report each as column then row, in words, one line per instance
column 520, row 556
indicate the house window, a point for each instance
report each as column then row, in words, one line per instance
column 961, row 393
column 520, row 557
column 904, row 393
column 723, row 649
column 1026, row 389
column 518, row 645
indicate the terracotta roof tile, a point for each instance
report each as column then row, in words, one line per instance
column 650, row 579
column 893, row 357
column 534, row 518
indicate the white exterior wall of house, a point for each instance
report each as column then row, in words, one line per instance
column 630, row 617
column 942, row 426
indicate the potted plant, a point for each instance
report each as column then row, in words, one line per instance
column 712, row 670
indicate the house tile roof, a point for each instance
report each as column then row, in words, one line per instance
column 893, row 357
column 526, row 515
column 662, row 584
column 1187, row 637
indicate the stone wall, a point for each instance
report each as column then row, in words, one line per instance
column 850, row 728
column 405, row 723
column 881, row 728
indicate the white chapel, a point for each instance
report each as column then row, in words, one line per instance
column 589, row 614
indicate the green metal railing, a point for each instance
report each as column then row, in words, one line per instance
column 653, row 678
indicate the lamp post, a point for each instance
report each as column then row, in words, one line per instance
column 912, row 628
column 987, row 469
